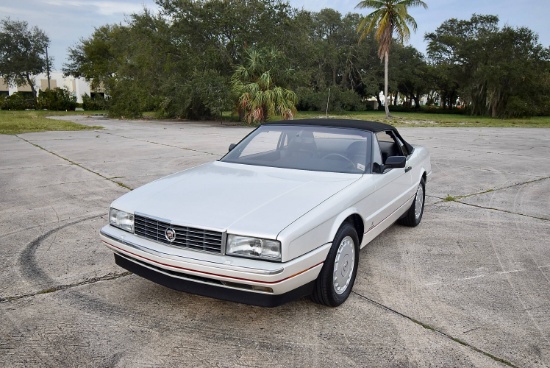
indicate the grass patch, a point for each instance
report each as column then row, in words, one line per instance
column 47, row 291
column 450, row 198
column 404, row 119
column 16, row 122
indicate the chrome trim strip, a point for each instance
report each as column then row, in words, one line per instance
column 171, row 222
column 170, row 256
column 152, row 217
column 224, row 242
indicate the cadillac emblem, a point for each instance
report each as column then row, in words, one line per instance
column 170, row 234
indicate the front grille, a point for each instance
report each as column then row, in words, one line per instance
column 186, row 237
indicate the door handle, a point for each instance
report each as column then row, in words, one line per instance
column 408, row 168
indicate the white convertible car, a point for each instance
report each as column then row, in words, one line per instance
column 282, row 215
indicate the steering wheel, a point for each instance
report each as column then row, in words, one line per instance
column 337, row 155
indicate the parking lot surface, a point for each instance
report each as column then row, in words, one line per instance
column 468, row 287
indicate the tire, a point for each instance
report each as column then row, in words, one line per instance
column 337, row 276
column 414, row 215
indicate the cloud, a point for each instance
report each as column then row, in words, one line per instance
column 343, row 6
column 68, row 21
column 104, row 8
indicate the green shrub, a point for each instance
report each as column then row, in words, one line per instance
column 17, row 101
column 95, row 102
column 57, row 99
column 309, row 100
column 203, row 96
column 339, row 101
column 129, row 100
column 518, row 107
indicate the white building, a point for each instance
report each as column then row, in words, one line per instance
column 76, row 86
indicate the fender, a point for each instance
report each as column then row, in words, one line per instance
column 339, row 220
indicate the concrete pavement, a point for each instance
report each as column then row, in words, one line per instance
column 470, row 286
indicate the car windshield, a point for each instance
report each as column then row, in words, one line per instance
column 314, row 148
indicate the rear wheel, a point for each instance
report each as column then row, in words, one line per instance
column 337, row 276
column 415, row 212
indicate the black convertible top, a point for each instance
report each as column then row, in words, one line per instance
column 371, row 126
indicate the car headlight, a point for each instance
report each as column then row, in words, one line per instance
column 122, row 220
column 253, row 247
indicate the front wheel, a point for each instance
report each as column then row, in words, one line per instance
column 415, row 212
column 337, row 276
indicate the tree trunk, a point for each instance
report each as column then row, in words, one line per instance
column 31, row 84
column 386, row 107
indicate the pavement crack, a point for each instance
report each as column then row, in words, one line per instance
column 435, row 330
column 77, row 164
column 457, row 199
column 93, row 280
column 491, row 190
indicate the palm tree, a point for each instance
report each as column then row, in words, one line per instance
column 259, row 95
column 388, row 17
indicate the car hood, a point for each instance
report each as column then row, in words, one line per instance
column 240, row 199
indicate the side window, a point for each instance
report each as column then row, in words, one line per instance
column 403, row 147
column 377, row 163
column 389, row 144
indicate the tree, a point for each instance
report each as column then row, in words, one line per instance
column 182, row 61
column 22, row 53
column 179, row 61
column 390, row 17
column 96, row 59
column 256, row 84
column 496, row 72
column 338, row 71
column 411, row 73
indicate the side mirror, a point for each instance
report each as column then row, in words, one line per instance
column 231, row 146
column 395, row 162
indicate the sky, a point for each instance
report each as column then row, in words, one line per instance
column 68, row 21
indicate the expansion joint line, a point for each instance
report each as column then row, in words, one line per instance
column 501, row 210
column 77, row 164
column 457, row 199
column 505, row 187
column 158, row 143
column 433, row 329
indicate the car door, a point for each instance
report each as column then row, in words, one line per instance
column 392, row 186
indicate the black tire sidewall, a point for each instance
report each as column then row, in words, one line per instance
column 410, row 218
column 326, row 277
column 417, row 221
